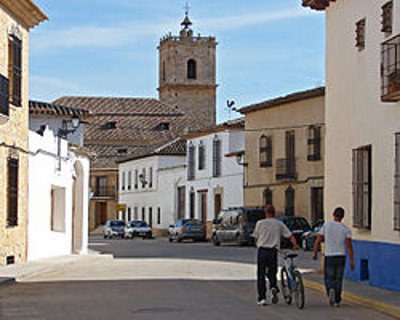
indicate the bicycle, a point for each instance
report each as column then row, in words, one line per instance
column 292, row 282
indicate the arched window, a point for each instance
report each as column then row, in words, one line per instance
column 289, row 201
column 191, row 69
column 265, row 151
column 267, row 196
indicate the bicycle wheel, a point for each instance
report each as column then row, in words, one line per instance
column 299, row 298
column 285, row 286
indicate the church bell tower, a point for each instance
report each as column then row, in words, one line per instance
column 187, row 73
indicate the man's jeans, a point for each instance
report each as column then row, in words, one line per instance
column 334, row 269
column 266, row 258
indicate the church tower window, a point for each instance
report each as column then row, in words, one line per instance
column 191, row 69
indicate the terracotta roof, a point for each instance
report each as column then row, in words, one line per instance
column 317, row 4
column 294, row 97
column 26, row 11
column 37, row 107
column 125, row 128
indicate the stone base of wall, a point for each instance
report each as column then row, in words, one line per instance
column 159, row 233
column 209, row 228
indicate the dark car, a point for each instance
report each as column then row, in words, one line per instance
column 187, row 229
column 308, row 238
column 138, row 228
column 114, row 228
column 236, row 225
column 297, row 225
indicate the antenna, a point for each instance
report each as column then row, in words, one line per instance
column 187, row 8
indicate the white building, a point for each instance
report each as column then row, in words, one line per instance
column 58, row 185
column 215, row 178
column 362, row 168
column 151, row 186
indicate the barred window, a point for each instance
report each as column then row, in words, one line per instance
column 360, row 34
column 158, row 215
column 143, row 214
column 136, row 179
column 12, row 212
column 202, row 156
column 387, row 17
column 362, row 187
column 123, row 181
column 265, row 151
column 216, row 157
column 397, row 183
column 267, row 196
column 129, row 180
column 150, row 177
column 314, row 143
column 289, row 201
column 15, row 69
column 4, row 96
column 143, row 178
column 191, row 162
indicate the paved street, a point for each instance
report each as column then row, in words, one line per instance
column 154, row 279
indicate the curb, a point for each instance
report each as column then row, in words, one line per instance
column 6, row 281
column 384, row 308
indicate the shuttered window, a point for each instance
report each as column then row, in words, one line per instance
column 202, row 156
column 397, row 184
column 216, row 157
column 15, row 70
column 362, row 187
column 387, row 17
column 4, row 96
column 265, row 151
column 314, row 143
column 12, row 212
column 360, row 34
column 191, row 160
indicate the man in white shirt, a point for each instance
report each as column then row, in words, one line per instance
column 337, row 237
column 267, row 235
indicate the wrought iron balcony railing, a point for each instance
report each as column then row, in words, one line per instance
column 286, row 169
column 105, row 192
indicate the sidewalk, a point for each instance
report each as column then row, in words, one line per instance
column 385, row 301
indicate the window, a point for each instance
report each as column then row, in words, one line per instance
column 192, row 198
column 143, row 214
column 123, row 181
column 216, row 157
column 135, row 213
column 162, row 126
column 362, row 187
column 129, row 180
column 397, row 183
column 267, row 196
column 202, row 156
column 387, row 18
column 12, row 212
column 314, row 143
column 122, row 151
column 150, row 217
column 101, row 186
column 143, row 178
column 191, row 69
column 136, row 179
column 158, row 215
column 129, row 213
column 58, row 209
column 191, row 162
column 360, row 34
column 4, row 95
column 150, row 177
column 289, row 201
column 265, row 151
column 109, row 125
column 15, row 69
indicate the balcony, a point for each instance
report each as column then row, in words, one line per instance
column 390, row 70
column 286, row 169
column 105, row 192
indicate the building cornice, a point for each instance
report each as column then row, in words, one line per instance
column 317, row 4
column 25, row 12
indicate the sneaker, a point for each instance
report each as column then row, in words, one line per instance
column 332, row 297
column 262, row 302
column 274, row 292
column 336, row 304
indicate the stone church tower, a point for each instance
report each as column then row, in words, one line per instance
column 187, row 74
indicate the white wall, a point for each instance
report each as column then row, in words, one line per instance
column 229, row 184
column 168, row 174
column 43, row 176
column 355, row 115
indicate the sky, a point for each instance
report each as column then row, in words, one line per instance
column 105, row 48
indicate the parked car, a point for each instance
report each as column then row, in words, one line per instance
column 236, row 225
column 187, row 229
column 114, row 228
column 308, row 238
column 297, row 225
column 137, row 228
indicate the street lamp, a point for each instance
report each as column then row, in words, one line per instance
column 142, row 179
column 63, row 132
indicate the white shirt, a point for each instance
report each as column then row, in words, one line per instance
column 335, row 234
column 269, row 231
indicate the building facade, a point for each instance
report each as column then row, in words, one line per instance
column 187, row 74
column 17, row 18
column 284, row 154
column 151, row 186
column 214, row 177
column 362, row 159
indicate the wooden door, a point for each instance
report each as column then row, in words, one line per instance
column 203, row 206
column 317, row 204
